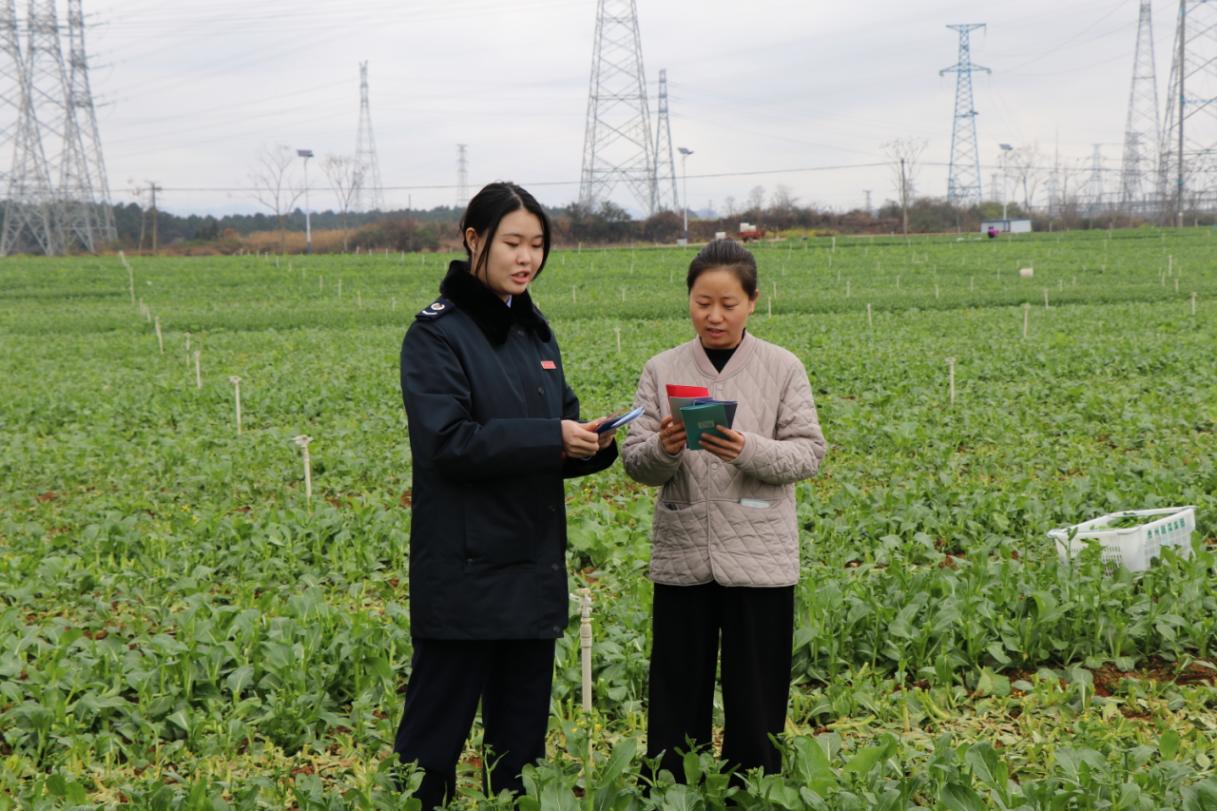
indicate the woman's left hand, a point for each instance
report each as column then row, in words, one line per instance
column 727, row 448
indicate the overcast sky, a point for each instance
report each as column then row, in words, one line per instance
column 190, row 92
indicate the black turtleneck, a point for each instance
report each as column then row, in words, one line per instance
column 719, row 357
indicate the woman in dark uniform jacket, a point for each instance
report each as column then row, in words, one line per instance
column 494, row 430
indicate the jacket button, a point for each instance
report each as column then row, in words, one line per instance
column 557, row 629
column 552, row 508
column 541, row 390
column 554, row 566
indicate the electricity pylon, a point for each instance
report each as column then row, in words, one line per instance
column 1094, row 185
column 665, row 163
column 1189, row 131
column 618, row 145
column 10, row 83
column 80, row 99
column 1141, row 126
column 963, row 182
column 370, row 196
column 32, row 217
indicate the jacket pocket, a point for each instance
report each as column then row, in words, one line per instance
column 680, row 549
column 760, row 540
column 496, row 535
column 679, row 525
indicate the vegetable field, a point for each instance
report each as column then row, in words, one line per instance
column 181, row 625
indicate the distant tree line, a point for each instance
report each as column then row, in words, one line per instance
column 436, row 228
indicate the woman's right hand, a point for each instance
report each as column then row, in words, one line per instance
column 578, row 440
column 671, row 436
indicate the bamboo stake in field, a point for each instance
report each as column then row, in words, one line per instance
column 1193, row 302
column 769, row 307
column 1026, row 317
column 870, row 321
column 623, row 295
column 585, row 644
column 574, row 296
column 198, row 372
column 951, row 377
column 1045, row 298
column 1176, row 284
column 617, row 332
column 130, row 275
column 302, row 442
column 236, row 393
column 847, row 292
column 160, row 341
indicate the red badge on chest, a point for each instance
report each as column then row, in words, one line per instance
column 548, row 364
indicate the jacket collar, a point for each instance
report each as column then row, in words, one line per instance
column 487, row 310
column 739, row 359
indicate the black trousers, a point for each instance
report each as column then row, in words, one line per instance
column 511, row 678
column 756, row 626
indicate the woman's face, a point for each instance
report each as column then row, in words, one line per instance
column 719, row 308
column 515, row 254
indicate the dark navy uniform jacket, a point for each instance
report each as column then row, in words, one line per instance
column 485, row 394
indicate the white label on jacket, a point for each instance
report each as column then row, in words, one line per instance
column 754, row 503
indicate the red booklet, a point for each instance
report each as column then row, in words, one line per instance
column 680, row 396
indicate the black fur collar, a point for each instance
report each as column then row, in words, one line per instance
column 488, row 310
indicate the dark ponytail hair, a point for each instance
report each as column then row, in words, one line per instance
column 729, row 255
column 488, row 208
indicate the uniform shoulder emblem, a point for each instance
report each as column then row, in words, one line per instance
column 436, row 309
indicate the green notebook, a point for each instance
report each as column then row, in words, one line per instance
column 702, row 417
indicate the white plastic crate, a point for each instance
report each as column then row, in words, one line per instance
column 1132, row 547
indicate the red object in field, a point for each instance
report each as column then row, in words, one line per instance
column 749, row 231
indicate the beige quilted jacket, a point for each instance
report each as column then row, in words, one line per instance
column 732, row 523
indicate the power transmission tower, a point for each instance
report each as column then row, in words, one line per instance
column 80, row 99
column 1094, row 185
column 617, row 141
column 963, row 182
column 10, row 83
column 665, row 162
column 462, row 176
column 1189, row 132
column 370, row 196
column 1141, row 126
column 74, row 212
column 32, row 219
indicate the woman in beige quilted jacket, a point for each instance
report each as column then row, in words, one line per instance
column 725, row 539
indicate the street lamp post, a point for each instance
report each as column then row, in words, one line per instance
column 308, row 226
column 684, row 172
column 1006, row 149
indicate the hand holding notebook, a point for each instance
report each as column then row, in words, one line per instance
column 703, row 417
